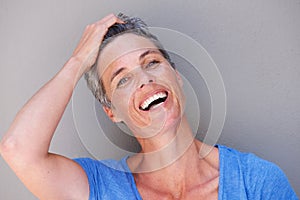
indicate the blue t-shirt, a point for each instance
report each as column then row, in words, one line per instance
column 242, row 176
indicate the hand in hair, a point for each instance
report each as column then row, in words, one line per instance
column 87, row 50
column 25, row 146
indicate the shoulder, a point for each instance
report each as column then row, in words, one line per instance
column 107, row 178
column 106, row 165
column 256, row 176
column 245, row 161
column 103, row 169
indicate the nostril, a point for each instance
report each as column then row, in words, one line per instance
column 150, row 81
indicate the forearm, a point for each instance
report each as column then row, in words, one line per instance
column 32, row 130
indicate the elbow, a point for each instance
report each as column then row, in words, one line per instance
column 14, row 150
column 16, row 155
column 10, row 152
column 7, row 146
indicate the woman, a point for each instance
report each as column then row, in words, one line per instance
column 132, row 76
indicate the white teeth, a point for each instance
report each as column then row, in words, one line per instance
column 147, row 102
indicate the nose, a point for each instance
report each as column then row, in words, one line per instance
column 143, row 84
column 143, row 77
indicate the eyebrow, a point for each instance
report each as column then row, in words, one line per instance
column 142, row 56
column 116, row 73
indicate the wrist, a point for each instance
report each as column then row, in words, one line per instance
column 72, row 70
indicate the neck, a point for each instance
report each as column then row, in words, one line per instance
column 166, row 147
column 177, row 177
column 171, row 162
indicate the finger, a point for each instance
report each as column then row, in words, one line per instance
column 120, row 21
column 109, row 20
column 111, row 16
column 85, row 36
column 97, row 30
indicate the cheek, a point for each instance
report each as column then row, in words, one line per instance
column 169, row 76
column 121, row 100
column 166, row 71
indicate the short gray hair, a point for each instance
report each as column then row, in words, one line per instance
column 131, row 25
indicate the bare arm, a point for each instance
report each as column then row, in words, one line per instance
column 25, row 145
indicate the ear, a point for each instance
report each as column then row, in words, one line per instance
column 110, row 114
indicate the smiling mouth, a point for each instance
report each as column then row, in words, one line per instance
column 154, row 101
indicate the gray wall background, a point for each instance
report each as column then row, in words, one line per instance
column 256, row 45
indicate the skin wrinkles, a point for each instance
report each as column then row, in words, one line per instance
column 168, row 144
column 125, row 67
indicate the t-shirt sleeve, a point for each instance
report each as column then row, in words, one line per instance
column 281, row 187
column 91, row 168
column 267, row 181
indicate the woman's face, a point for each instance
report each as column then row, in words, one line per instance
column 145, row 91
